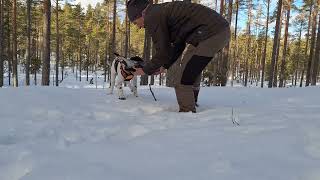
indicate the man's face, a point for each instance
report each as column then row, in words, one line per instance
column 139, row 22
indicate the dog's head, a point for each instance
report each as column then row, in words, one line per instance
column 128, row 65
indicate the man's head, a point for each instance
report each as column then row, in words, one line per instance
column 135, row 11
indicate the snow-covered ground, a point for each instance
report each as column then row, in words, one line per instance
column 78, row 133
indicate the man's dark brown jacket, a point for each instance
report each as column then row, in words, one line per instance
column 173, row 24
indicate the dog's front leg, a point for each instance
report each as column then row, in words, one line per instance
column 133, row 86
column 119, row 82
column 112, row 79
column 112, row 84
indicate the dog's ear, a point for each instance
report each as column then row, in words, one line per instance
column 116, row 54
column 136, row 58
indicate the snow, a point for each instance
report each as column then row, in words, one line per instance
column 78, row 132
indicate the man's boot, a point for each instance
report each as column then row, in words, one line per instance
column 185, row 98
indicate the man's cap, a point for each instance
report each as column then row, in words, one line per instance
column 135, row 8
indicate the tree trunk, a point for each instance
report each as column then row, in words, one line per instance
column 219, row 64
column 307, row 44
column 225, row 59
column 275, row 44
column 57, row 43
column 222, row 7
column 1, row 43
column 275, row 76
column 126, row 45
column 283, row 63
column 265, row 45
column 46, row 43
column 257, row 65
column 77, row 59
column 235, row 51
column 121, row 42
column 114, row 30
column 146, row 54
column 9, row 47
column 27, row 81
column 96, row 64
column 153, row 53
column 14, row 41
column 248, row 43
column 62, row 60
column 216, row 5
column 80, row 50
column 106, row 46
column 109, row 57
column 313, row 38
column 88, row 60
column 299, row 56
column 316, row 59
column 37, row 55
column 105, row 61
column 129, row 36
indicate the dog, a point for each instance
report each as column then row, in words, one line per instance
column 122, row 72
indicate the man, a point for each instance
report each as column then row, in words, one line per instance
column 186, row 37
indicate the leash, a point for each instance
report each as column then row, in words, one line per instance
column 152, row 93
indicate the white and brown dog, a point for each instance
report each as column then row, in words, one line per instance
column 121, row 72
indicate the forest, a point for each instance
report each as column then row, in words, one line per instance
column 273, row 44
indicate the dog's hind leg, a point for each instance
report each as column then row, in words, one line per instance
column 119, row 82
column 112, row 78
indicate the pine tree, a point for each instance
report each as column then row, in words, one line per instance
column 275, row 45
column 46, row 43
column 285, row 46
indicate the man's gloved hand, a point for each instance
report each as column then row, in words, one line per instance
column 139, row 71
